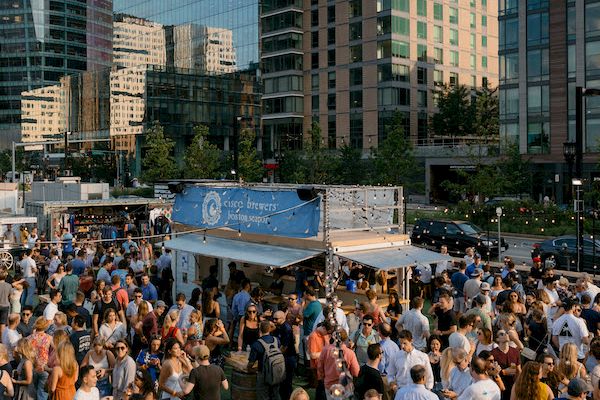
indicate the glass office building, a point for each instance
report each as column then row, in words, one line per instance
column 40, row 42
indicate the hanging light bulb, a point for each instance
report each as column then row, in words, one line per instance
column 337, row 391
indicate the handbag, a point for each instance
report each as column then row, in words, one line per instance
column 531, row 354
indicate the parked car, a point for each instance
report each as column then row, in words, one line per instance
column 457, row 236
column 563, row 251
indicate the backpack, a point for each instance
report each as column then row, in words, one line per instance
column 273, row 363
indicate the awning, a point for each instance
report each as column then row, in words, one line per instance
column 395, row 257
column 237, row 250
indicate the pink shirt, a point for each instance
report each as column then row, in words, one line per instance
column 327, row 370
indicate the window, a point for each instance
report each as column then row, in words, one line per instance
column 422, row 52
column 422, row 8
column 537, row 28
column 422, row 122
column 538, row 64
column 354, row 8
column 454, row 58
column 592, row 57
column 483, row 41
column 421, row 30
column 472, row 3
column 438, row 55
column 400, row 5
column 472, row 41
column 509, row 33
column 592, row 19
column 473, row 23
column 314, row 17
column 421, row 76
column 331, row 101
column 314, row 81
column 453, row 79
column 422, row 98
column 356, row 76
column 314, row 60
column 453, row 15
column 356, row 53
column 473, row 81
column 572, row 67
column 393, row 96
column 356, row 130
column 330, row 35
column 331, row 14
column 331, row 128
column 484, row 62
column 314, row 39
column 473, row 61
column 331, row 80
column 538, row 99
column 509, row 67
column 314, row 102
column 400, row 25
column 393, row 72
column 438, row 77
column 484, row 3
column 453, row 37
column 438, row 34
column 355, row 31
column 438, row 12
column 400, row 49
column 538, row 137
column 508, row 101
column 356, row 99
column 331, row 58
column 572, row 21
column 484, row 20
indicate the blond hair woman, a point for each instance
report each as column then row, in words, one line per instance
column 64, row 375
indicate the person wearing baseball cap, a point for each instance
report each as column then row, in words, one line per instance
column 471, row 288
column 485, row 290
column 206, row 379
column 578, row 389
column 476, row 264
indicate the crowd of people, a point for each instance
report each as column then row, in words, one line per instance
column 94, row 320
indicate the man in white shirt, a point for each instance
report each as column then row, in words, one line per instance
column 136, row 264
column 408, row 357
column 550, row 289
column 442, row 265
column 54, row 262
column 340, row 317
column 484, row 388
column 459, row 339
column 413, row 320
column 570, row 328
column 10, row 335
column 184, row 309
column 416, row 390
column 88, row 389
column 584, row 285
column 472, row 286
column 52, row 307
column 29, row 270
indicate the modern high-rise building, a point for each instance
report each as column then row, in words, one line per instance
column 351, row 64
column 547, row 49
column 40, row 42
column 137, row 42
column 203, row 48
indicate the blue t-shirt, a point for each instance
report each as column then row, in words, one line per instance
column 67, row 240
column 122, row 273
column 149, row 292
column 144, row 358
column 78, row 266
column 310, row 314
column 458, row 282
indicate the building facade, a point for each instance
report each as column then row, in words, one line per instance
column 350, row 65
column 137, row 42
column 547, row 48
column 40, row 42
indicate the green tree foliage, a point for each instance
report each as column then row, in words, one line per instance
column 158, row 161
column 250, row 165
column 486, row 116
column 351, row 169
column 394, row 161
column 318, row 161
column 201, row 157
column 456, row 112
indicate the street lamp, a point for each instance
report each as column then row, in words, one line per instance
column 578, row 208
column 499, row 214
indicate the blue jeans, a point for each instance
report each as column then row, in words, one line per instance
column 27, row 296
column 39, row 382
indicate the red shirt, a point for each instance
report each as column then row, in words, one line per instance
column 315, row 344
column 504, row 360
column 327, row 369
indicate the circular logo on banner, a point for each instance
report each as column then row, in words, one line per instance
column 211, row 208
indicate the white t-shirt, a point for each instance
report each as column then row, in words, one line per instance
column 28, row 267
column 570, row 329
column 50, row 311
column 553, row 294
column 93, row 394
column 10, row 337
column 459, row 340
column 418, row 324
column 481, row 390
column 426, row 272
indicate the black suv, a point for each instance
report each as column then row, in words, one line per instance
column 456, row 235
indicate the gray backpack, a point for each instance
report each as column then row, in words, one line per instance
column 273, row 363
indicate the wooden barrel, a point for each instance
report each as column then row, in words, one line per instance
column 243, row 385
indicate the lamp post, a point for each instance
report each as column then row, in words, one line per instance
column 499, row 214
column 577, row 183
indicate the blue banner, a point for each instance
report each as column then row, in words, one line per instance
column 276, row 212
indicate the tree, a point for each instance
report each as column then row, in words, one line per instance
column 455, row 115
column 351, row 169
column 486, row 117
column 158, row 161
column 250, row 165
column 319, row 162
column 394, row 160
column 201, row 157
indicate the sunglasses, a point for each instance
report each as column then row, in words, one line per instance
column 365, row 324
column 251, row 312
column 292, row 299
column 501, row 334
column 26, row 314
column 549, row 363
column 121, row 348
